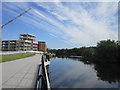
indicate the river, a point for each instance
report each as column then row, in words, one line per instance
column 73, row 73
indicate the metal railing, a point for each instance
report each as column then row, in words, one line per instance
column 43, row 82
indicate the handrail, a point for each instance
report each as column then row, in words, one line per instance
column 45, row 73
column 42, row 80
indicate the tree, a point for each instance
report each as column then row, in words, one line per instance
column 106, row 51
column 88, row 53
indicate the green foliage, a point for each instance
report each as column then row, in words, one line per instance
column 88, row 53
column 106, row 51
column 68, row 52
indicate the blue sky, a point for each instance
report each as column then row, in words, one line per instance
column 62, row 24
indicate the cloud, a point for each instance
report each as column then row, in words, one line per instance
column 59, row 16
column 83, row 23
column 92, row 26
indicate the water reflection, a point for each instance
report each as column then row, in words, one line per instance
column 105, row 71
column 108, row 72
column 74, row 73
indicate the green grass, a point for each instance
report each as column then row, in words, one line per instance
column 6, row 58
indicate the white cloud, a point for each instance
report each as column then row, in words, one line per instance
column 36, row 11
column 93, row 29
column 59, row 16
column 72, row 22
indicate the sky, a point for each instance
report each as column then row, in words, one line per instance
column 62, row 24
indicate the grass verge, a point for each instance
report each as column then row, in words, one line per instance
column 11, row 57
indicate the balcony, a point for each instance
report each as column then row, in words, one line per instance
column 27, row 41
column 35, row 43
column 27, row 38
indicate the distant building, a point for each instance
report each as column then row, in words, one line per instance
column 26, row 42
column 42, row 46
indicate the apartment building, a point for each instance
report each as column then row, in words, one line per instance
column 42, row 46
column 26, row 42
column 30, row 43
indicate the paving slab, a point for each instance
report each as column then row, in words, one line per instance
column 21, row 73
column 26, row 83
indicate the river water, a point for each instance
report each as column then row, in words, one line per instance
column 73, row 73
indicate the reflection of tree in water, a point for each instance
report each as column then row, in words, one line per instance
column 108, row 72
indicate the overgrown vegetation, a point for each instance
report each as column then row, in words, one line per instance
column 11, row 57
column 105, row 51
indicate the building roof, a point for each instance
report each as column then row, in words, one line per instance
column 27, row 35
column 41, row 42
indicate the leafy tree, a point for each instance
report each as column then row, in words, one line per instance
column 88, row 53
column 106, row 51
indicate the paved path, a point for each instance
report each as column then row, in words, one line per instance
column 20, row 73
